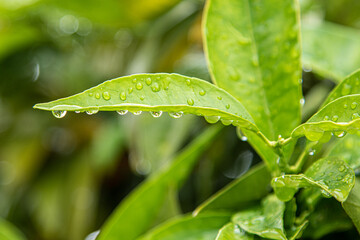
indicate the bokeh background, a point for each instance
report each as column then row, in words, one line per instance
column 61, row 178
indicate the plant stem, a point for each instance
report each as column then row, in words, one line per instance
column 302, row 159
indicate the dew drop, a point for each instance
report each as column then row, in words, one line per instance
column 92, row 111
column 241, row 135
column 175, row 114
column 148, row 81
column 77, row 111
column 106, row 96
column 122, row 112
column 339, row 134
column 335, row 118
column 346, row 89
column 188, row 82
column 91, row 94
column 345, row 106
column 59, row 114
column 155, row 87
column 134, row 80
column 326, row 118
column 325, row 194
column 123, row 96
column 219, row 97
column 302, row 101
column 130, row 90
column 139, row 86
column 353, row 105
column 156, row 114
column 312, row 152
column 190, row 101
column 341, row 168
column 142, row 97
column 212, row 119
column 227, row 106
column 97, row 95
column 202, row 92
column 137, row 113
column 226, row 122
column 355, row 116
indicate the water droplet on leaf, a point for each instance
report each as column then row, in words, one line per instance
column 226, row 122
column 59, row 114
column 335, row 118
column 122, row 112
column 137, row 113
column 202, row 92
column 148, row 81
column 139, row 86
column 123, row 96
column 155, row 87
column 241, row 135
column 156, row 114
column 175, row 114
column 106, row 96
column 97, row 95
column 212, row 119
column 190, row 101
column 188, row 82
column 92, row 111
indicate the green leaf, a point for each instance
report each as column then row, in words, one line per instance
column 138, row 211
column 347, row 149
column 190, row 228
column 333, row 176
column 173, row 93
column 352, row 205
column 240, row 193
column 9, row 231
column 253, row 52
column 265, row 220
column 296, row 231
column 232, row 231
column 339, row 116
column 350, row 85
column 331, row 50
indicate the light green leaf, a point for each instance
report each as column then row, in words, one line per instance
column 253, row 52
column 173, row 93
column 296, row 231
column 333, row 176
column 232, row 231
column 331, row 50
column 9, row 231
column 352, row 205
column 240, row 193
column 265, row 220
column 202, row 227
column 347, row 149
column 339, row 116
column 350, row 85
column 138, row 211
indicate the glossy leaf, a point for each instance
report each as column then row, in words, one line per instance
column 352, row 205
column 137, row 212
column 172, row 93
column 333, row 176
column 232, row 231
column 265, row 220
column 240, row 193
column 339, row 116
column 296, row 231
column 253, row 53
column 331, row 50
column 191, row 228
column 9, row 231
column 349, row 86
column 347, row 149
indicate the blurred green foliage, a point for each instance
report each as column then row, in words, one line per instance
column 60, row 179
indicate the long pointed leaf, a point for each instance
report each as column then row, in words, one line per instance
column 352, row 205
column 138, row 211
column 253, row 52
column 173, row 93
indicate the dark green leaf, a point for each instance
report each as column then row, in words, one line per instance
column 232, row 231
column 265, row 220
column 332, row 175
column 202, row 227
column 173, row 93
column 332, row 51
column 138, row 211
column 352, row 205
column 240, row 193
